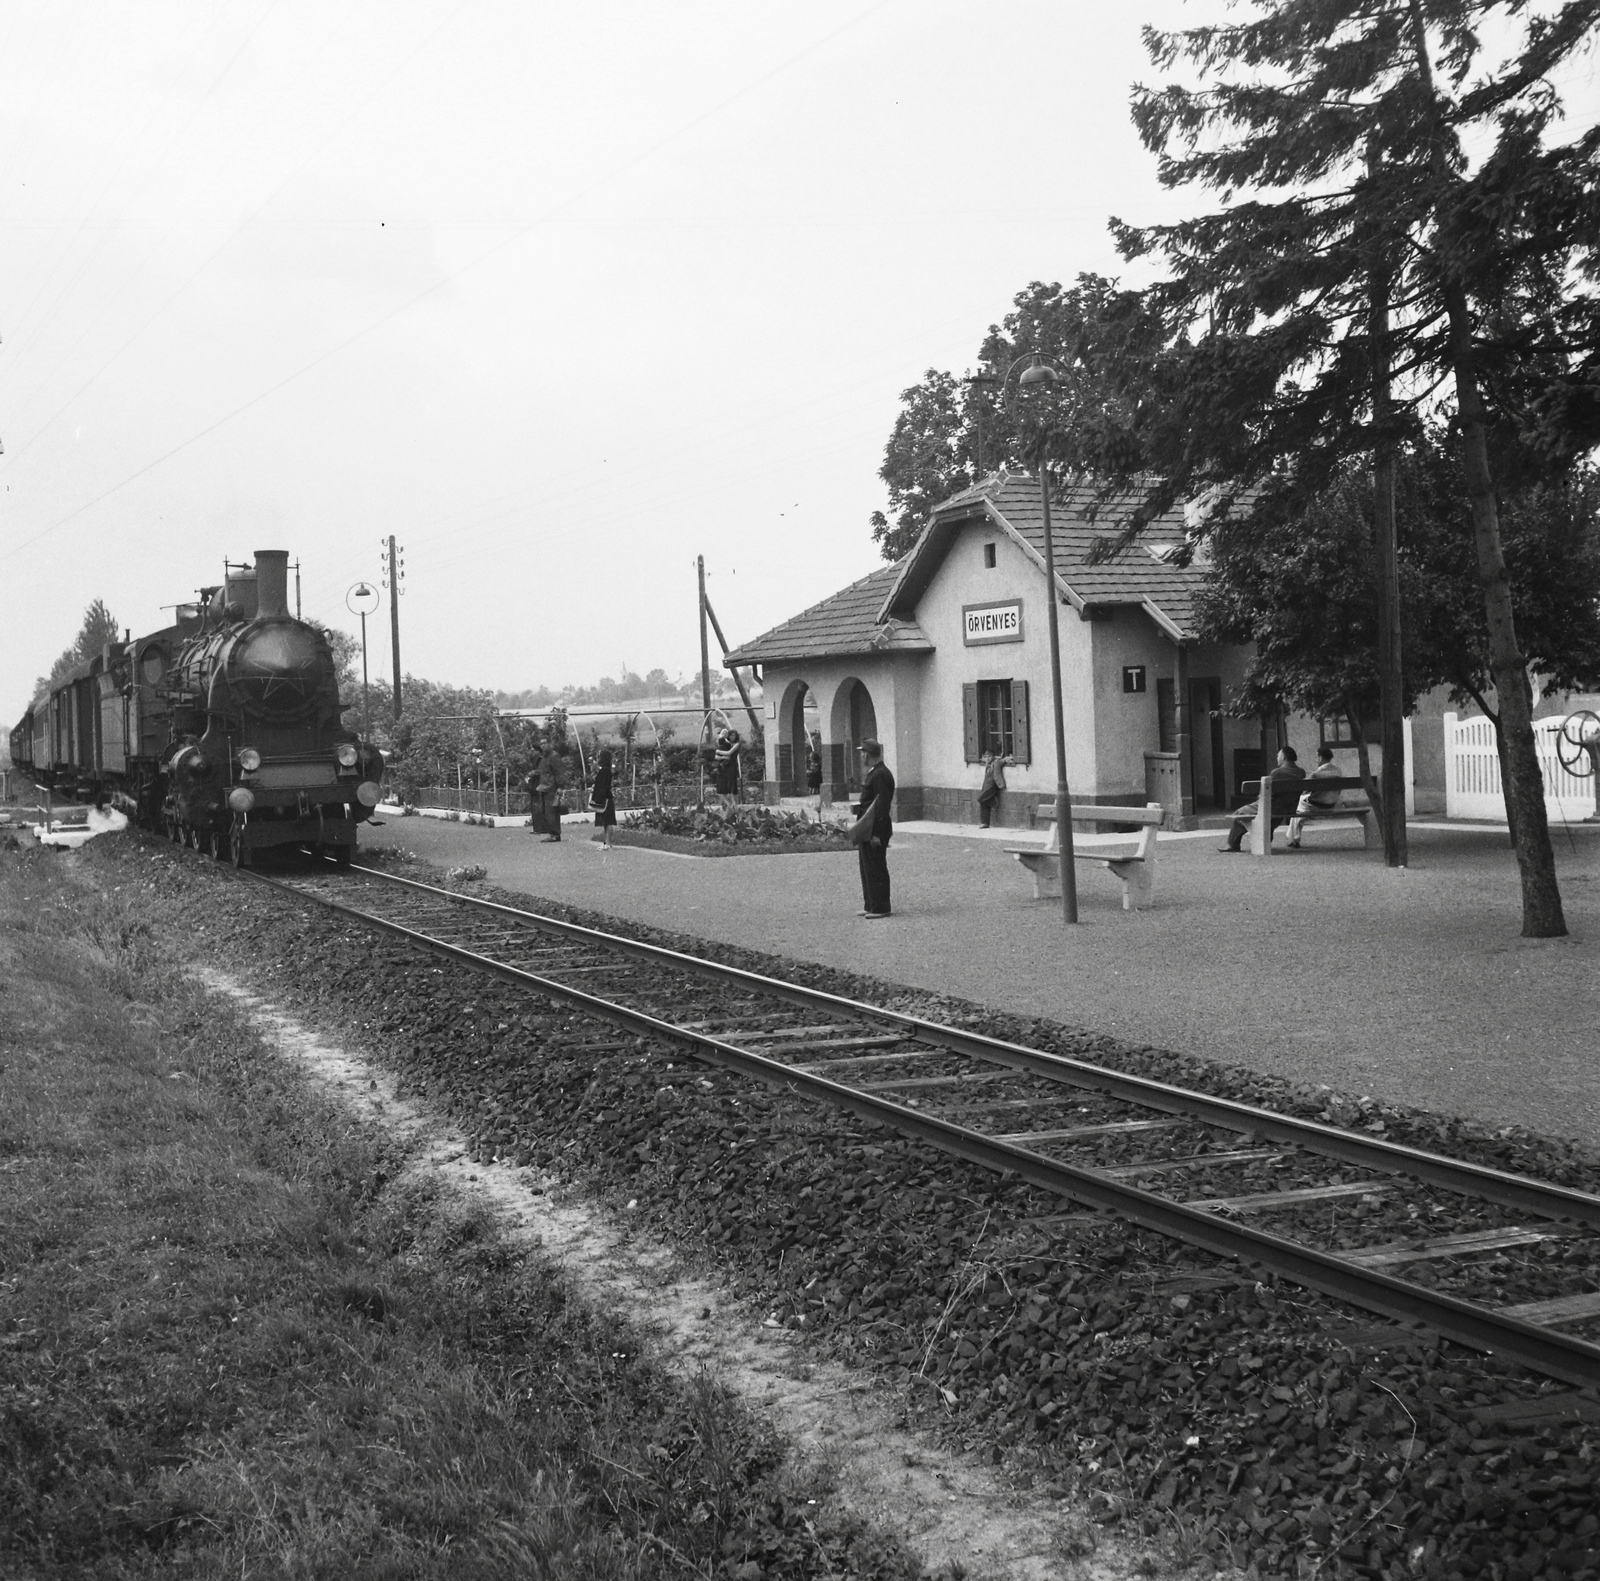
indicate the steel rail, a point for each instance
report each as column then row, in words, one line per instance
column 1541, row 1350
column 1518, row 1192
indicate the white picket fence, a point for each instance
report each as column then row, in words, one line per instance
column 1472, row 773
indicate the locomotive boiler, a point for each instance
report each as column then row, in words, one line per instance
column 224, row 728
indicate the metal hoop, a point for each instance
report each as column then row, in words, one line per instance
column 1583, row 742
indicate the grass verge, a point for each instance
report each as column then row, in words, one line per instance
column 240, row 1336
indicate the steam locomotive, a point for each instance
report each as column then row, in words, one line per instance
column 223, row 728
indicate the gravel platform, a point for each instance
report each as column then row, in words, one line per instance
column 1321, row 965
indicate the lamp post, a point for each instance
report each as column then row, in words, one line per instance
column 1039, row 371
column 362, row 600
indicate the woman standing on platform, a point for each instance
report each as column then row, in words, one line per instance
column 814, row 771
column 726, row 769
column 601, row 799
column 548, row 788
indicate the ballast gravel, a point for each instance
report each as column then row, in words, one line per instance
column 1242, row 1419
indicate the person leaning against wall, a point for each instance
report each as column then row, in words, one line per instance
column 994, row 782
column 877, row 792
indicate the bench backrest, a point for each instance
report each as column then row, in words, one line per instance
column 1093, row 813
column 1287, row 792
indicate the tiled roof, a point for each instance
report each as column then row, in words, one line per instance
column 846, row 623
column 1136, row 576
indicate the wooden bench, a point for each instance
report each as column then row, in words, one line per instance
column 1134, row 868
column 1285, row 798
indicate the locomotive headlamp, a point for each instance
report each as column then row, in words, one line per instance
column 241, row 799
column 346, row 755
column 367, row 793
column 249, row 760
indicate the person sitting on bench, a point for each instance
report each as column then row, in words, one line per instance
column 1288, row 769
column 1315, row 801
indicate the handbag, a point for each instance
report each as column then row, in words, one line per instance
column 861, row 829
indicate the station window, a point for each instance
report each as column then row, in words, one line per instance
column 1336, row 732
column 988, row 555
column 995, row 719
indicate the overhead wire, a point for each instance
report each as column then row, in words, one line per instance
column 24, row 341
column 229, row 240
column 479, row 259
column 726, row 438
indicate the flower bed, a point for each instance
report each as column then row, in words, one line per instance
column 715, row 831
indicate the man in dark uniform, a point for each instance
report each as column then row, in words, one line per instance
column 873, row 853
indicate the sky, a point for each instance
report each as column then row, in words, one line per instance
column 561, row 296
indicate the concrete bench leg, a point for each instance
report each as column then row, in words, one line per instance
column 1369, row 831
column 1046, row 878
column 1137, row 883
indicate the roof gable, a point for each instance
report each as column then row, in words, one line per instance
column 1010, row 502
column 849, row 622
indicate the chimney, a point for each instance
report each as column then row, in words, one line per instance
column 272, row 582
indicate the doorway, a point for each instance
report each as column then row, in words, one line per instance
column 854, row 720
column 1207, row 771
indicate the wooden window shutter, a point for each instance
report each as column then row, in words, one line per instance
column 1021, row 735
column 969, row 721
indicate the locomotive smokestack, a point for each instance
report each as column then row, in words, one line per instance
column 272, row 582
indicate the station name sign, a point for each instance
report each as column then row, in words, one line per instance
column 981, row 623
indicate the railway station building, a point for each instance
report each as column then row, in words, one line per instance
column 946, row 654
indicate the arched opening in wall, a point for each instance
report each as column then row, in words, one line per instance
column 853, row 720
column 798, row 723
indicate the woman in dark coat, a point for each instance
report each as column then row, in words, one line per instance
column 727, row 767
column 601, row 798
column 814, row 770
column 547, row 793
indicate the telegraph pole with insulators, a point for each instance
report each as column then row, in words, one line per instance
column 394, row 576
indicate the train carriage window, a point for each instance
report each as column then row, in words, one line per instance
column 153, row 666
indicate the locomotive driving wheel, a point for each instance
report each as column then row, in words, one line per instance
column 238, row 851
column 215, row 845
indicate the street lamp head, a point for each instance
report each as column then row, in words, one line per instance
column 1039, row 372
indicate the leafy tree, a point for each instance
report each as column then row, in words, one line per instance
column 99, row 627
column 346, row 661
column 1264, row 372
column 1299, row 584
column 952, row 431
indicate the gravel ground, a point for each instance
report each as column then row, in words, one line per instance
column 1321, row 965
column 1235, row 1418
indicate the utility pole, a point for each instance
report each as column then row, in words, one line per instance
column 705, row 679
column 705, row 648
column 738, row 680
column 394, row 575
column 1391, row 695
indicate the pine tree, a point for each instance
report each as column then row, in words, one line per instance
column 1274, row 364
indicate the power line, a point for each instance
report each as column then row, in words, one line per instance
column 483, row 257
column 33, row 334
column 233, row 235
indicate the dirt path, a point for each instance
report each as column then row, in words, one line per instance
column 961, row 1517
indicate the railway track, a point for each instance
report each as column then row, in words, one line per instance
column 1411, row 1235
